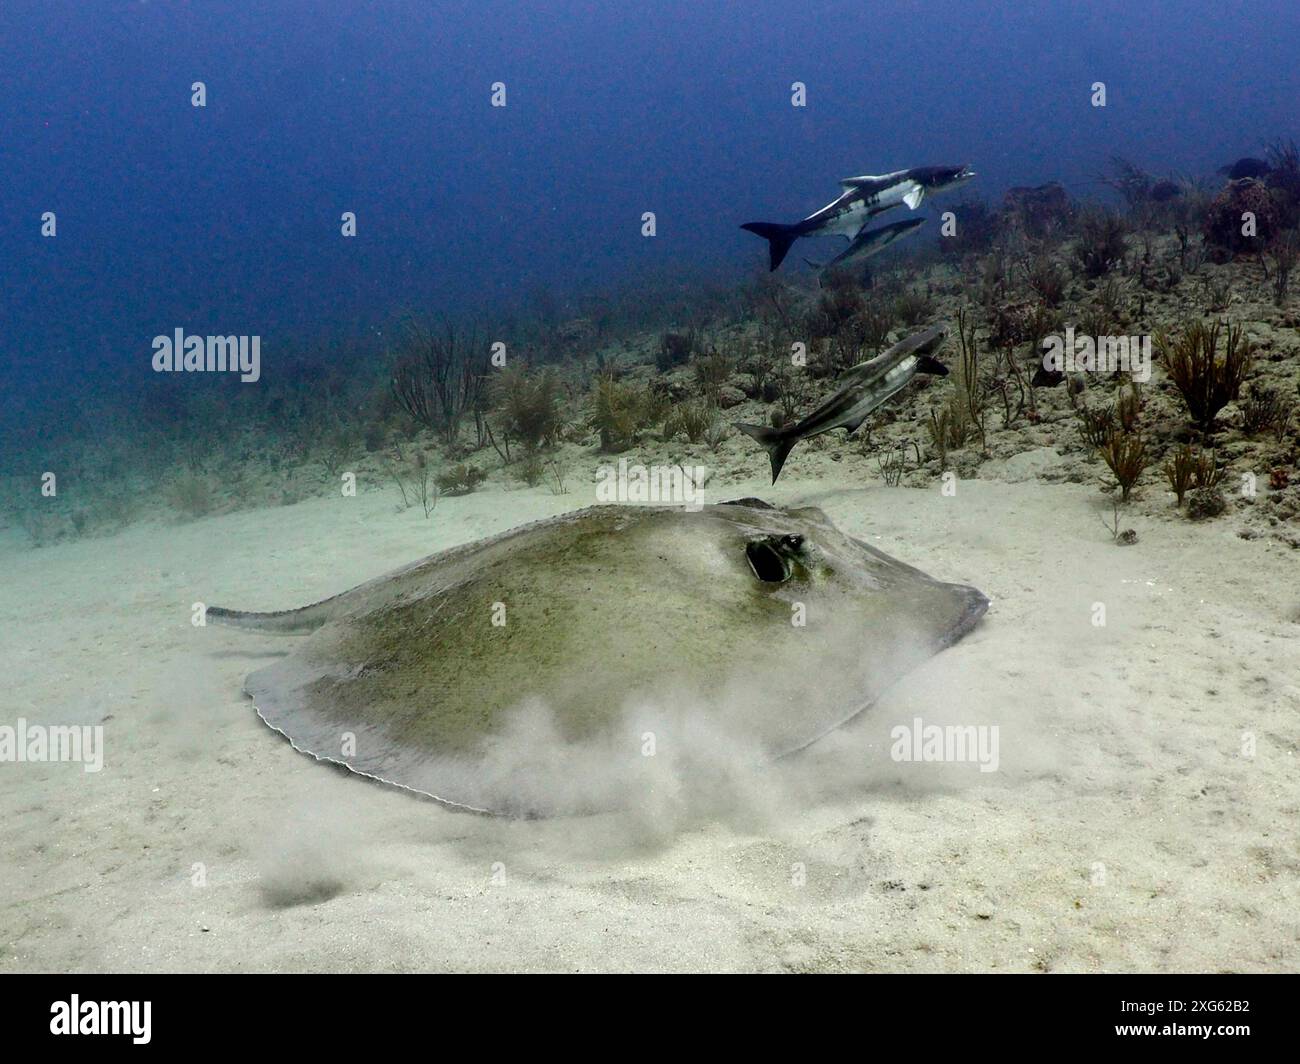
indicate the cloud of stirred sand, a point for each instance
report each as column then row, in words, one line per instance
column 674, row 760
column 674, row 763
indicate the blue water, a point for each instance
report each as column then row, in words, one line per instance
column 227, row 218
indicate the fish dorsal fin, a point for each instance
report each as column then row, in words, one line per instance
column 862, row 369
column 913, row 199
column 869, row 179
column 924, row 341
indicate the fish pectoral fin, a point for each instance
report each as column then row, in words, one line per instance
column 853, row 426
column 913, row 199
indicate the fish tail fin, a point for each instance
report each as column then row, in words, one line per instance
column 779, row 238
column 821, row 272
column 775, row 442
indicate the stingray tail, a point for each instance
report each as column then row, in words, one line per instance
column 282, row 622
column 775, row 442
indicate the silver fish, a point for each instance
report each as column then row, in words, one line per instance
column 862, row 199
column 868, row 243
column 863, row 388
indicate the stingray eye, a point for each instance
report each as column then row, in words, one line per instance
column 792, row 543
column 767, row 562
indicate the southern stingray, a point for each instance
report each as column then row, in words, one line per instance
column 771, row 624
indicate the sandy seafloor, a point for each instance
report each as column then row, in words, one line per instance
column 1125, row 830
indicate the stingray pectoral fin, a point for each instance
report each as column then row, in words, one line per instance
column 926, row 364
column 810, row 513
